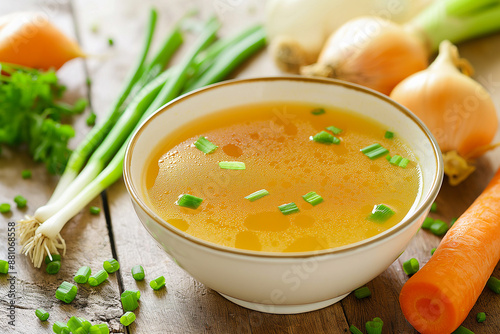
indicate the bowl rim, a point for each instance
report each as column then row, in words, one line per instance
column 435, row 187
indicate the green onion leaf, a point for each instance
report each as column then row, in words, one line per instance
column 381, row 213
column 439, row 227
column 99, row 329
column 94, row 210
column 138, row 273
column 389, row 135
column 433, row 250
column 334, row 129
column 98, row 278
column 232, row 165
column 82, row 275
column 411, row 266
column 257, row 195
column 42, row 314
column 354, row 330
column 462, row 330
column 129, row 300
column 157, row 283
column 4, row 208
column 428, row 221
column 370, row 148
column 404, row 162
column 312, row 198
column 324, row 137
column 60, row 328
column 288, row 209
column 52, row 257
column 20, row 201
column 77, row 325
column 66, row 292
column 388, row 157
column 494, row 284
column 26, row 174
column 189, row 201
column 318, row 111
column 374, row 326
column 127, row 319
column 377, row 153
column 204, row 145
column 434, row 207
column 481, row 317
column 53, row 267
column 86, row 324
column 4, row 267
column 395, row 159
column 111, row 265
column 362, row 292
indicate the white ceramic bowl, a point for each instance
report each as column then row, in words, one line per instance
column 283, row 282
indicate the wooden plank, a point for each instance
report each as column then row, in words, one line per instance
column 85, row 235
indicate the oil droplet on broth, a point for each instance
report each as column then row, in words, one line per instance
column 181, row 224
column 248, row 240
column 267, row 221
column 232, row 150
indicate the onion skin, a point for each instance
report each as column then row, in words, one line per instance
column 372, row 52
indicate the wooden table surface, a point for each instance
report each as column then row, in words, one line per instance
column 187, row 306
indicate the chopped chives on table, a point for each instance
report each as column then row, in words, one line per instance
column 494, row 284
column 374, row 151
column 53, row 267
column 289, row 208
column 434, row 207
column 481, row 317
column 354, row 330
column 99, row 329
column 388, row 157
column 4, row 208
column 462, row 330
column 138, row 273
column 60, row 328
column 324, row 137
column 42, row 314
column 157, row 283
column 111, row 265
column 395, row 160
column 362, row 292
column 4, row 267
column 76, row 325
column 389, row 135
column 312, row 198
column 189, row 201
column 26, row 174
column 129, row 300
column 20, row 201
column 411, row 266
column 257, row 195
column 127, row 319
column 433, row 250
column 94, row 210
column 66, row 292
column 404, row 163
column 98, row 278
column 381, row 213
column 374, row 326
column 52, row 257
column 428, row 221
column 86, row 324
column 91, row 119
column 236, row 165
column 82, row 275
column 334, row 129
column 318, row 111
column 439, row 227
column 205, row 145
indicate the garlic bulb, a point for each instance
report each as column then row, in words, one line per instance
column 458, row 110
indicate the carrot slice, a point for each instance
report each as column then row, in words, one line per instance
column 439, row 296
column 29, row 39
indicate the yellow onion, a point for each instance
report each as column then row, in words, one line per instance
column 372, row 52
column 458, row 110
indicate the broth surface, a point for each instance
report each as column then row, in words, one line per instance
column 273, row 140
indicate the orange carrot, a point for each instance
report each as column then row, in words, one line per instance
column 439, row 296
column 29, row 39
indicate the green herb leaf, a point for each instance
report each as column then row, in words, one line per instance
column 288, row 209
column 189, row 201
column 335, row 130
column 312, row 198
column 381, row 213
column 324, row 137
column 256, row 195
column 232, row 165
column 205, row 145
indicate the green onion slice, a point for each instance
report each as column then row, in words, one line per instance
column 324, row 137
column 20, row 201
column 94, row 210
column 481, row 317
column 189, row 201
column 138, row 273
column 374, row 326
column 404, row 162
column 98, row 278
column 232, row 165
column 52, row 257
column 205, row 145
column 99, row 329
column 111, row 265
column 66, row 292
column 395, row 160
column 381, row 213
column 434, row 207
column 257, row 195
column 334, row 129
column 494, row 284
column 462, row 330
column 127, row 319
column 318, row 111
column 53, row 267
column 82, row 275
column 389, row 135
column 428, row 221
column 129, row 300
column 374, row 151
column 26, row 174
column 4, row 208
column 60, row 328
column 354, row 330
column 439, row 227
column 42, row 314
column 312, row 198
column 157, row 283
column 289, row 208
column 433, row 250
column 4, row 267
column 362, row 292
column 411, row 266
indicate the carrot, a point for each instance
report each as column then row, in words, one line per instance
column 29, row 39
column 439, row 296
